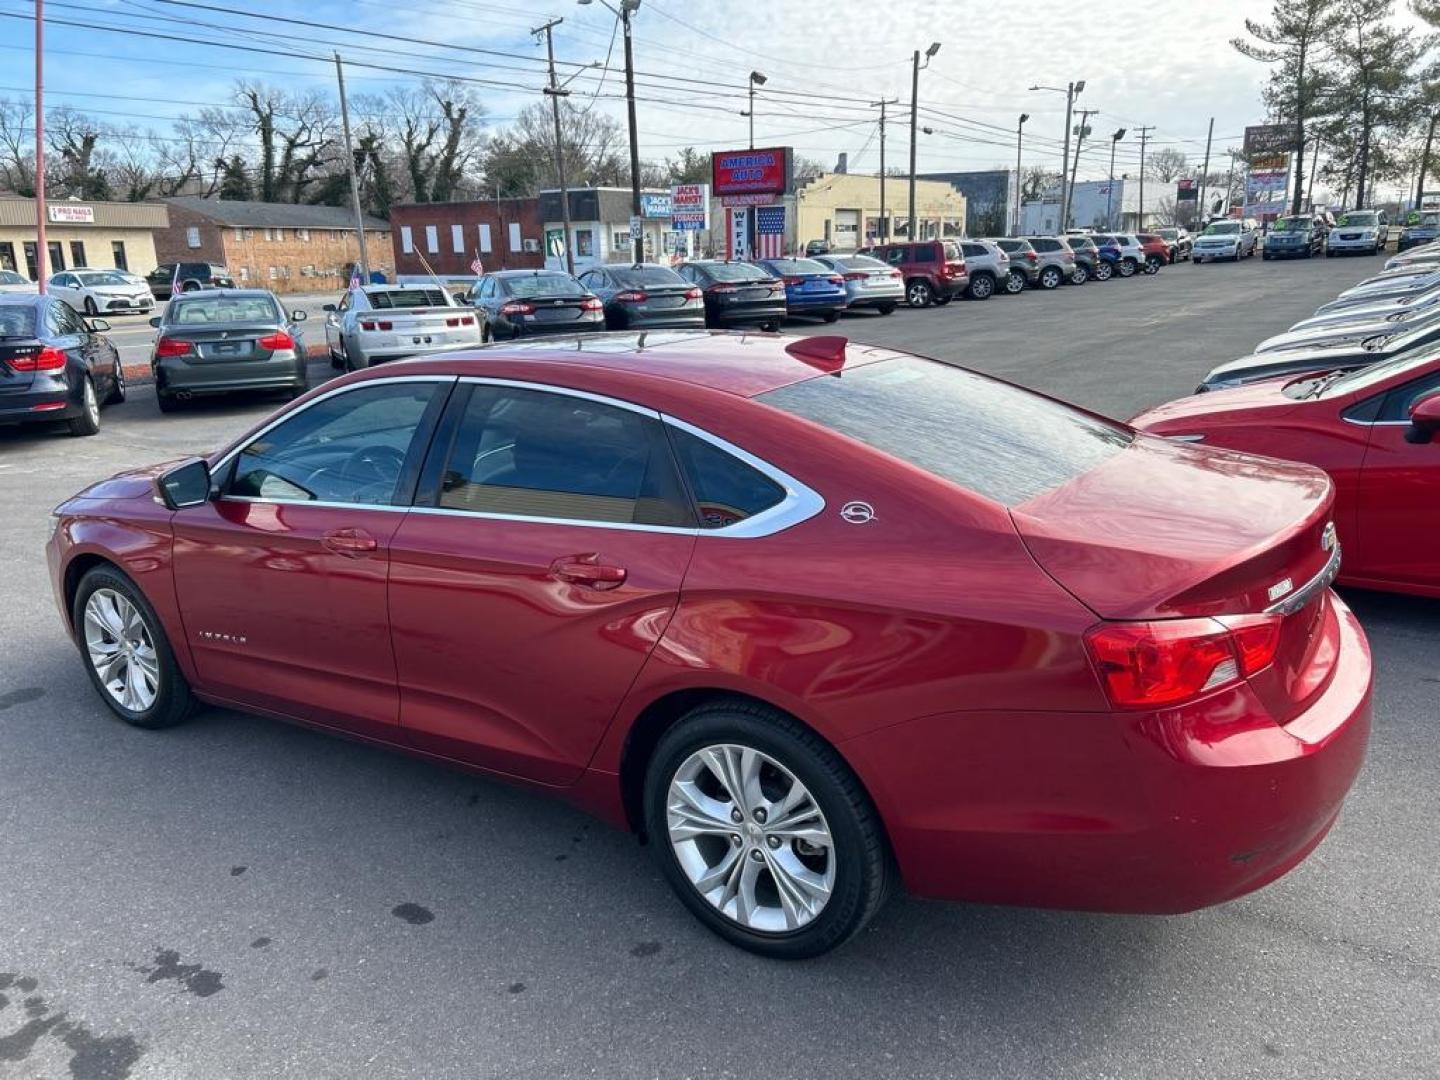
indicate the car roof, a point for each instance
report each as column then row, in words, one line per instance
column 19, row 297
column 503, row 274
column 734, row 362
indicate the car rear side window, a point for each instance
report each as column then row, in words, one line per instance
column 726, row 489
column 1045, row 245
column 536, row 454
column 999, row 441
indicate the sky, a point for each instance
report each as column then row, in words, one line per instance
column 1164, row 63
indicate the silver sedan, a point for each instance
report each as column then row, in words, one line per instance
column 868, row 282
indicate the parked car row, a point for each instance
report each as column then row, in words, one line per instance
column 1353, row 390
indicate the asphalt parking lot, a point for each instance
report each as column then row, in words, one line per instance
column 239, row 897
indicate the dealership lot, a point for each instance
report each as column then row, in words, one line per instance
column 238, row 896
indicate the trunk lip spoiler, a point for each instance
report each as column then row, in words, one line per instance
column 1303, row 595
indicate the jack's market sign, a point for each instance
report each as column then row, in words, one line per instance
column 751, row 172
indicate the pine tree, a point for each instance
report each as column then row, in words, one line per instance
column 234, row 180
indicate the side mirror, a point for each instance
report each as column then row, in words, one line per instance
column 187, row 484
column 98, row 326
column 328, row 307
column 299, row 315
column 1424, row 419
column 154, row 321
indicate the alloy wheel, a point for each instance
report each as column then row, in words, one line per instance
column 1015, row 282
column 1103, row 271
column 1050, row 277
column 750, row 838
column 121, row 650
column 981, row 288
column 92, row 403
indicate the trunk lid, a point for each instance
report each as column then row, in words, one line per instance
column 230, row 343
column 1164, row 530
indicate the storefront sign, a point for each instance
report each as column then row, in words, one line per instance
column 654, row 205
column 746, row 200
column 742, row 172
column 71, row 214
column 690, row 207
column 737, row 233
column 1186, row 191
column 1269, row 139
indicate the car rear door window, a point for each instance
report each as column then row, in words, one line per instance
column 351, row 448
column 551, row 456
column 726, row 489
column 997, row 440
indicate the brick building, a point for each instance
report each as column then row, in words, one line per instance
column 504, row 233
column 288, row 247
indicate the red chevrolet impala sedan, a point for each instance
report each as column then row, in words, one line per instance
column 815, row 618
column 1373, row 430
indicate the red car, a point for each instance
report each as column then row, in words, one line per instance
column 1157, row 251
column 1373, row 430
column 705, row 587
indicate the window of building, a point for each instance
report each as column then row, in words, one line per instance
column 273, row 274
column 239, row 235
column 269, row 234
column 514, row 236
column 432, row 239
column 57, row 255
column 620, row 240
column 407, row 240
column 7, row 256
column 77, row 253
column 31, row 257
column 244, row 273
column 303, row 234
column 192, row 236
column 585, row 243
column 484, row 231
column 536, row 454
column 457, row 239
column 117, row 255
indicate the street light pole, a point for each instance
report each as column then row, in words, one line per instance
column 914, row 124
column 1019, row 181
column 555, row 93
column 1110, row 191
column 1071, row 91
column 1080, row 130
column 626, row 7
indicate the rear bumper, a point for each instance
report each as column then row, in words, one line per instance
column 528, row 329
column 732, row 314
column 46, row 399
column 693, row 319
column 374, row 351
column 173, row 375
column 1149, row 812
column 799, row 305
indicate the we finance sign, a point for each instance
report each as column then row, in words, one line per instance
column 751, row 172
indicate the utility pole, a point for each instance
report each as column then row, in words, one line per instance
column 556, row 93
column 626, row 7
column 883, row 232
column 1424, row 159
column 1110, row 191
column 1080, row 130
column 1229, row 183
column 1205, row 169
column 1315, row 164
column 41, row 250
column 1144, row 130
column 1019, row 179
column 914, row 124
column 1065, row 156
column 350, row 162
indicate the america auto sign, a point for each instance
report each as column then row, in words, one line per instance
column 751, row 172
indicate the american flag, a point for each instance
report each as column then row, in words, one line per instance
column 355, row 279
column 769, row 232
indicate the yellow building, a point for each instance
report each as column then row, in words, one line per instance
column 103, row 235
column 844, row 210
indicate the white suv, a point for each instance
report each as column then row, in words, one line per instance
column 1225, row 240
column 1364, row 231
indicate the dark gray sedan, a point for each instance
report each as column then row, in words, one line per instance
column 646, row 296
column 518, row 303
column 217, row 341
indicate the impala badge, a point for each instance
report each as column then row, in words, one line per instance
column 228, row 639
column 1281, row 588
column 857, row 513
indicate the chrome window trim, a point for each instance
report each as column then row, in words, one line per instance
column 1303, row 595
column 322, row 504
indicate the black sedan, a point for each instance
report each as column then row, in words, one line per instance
column 518, row 303
column 645, row 296
column 54, row 365
column 738, row 293
column 217, row 341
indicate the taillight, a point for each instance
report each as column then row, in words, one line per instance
column 952, row 269
column 517, row 307
column 466, row 320
column 634, row 296
column 47, row 359
column 694, row 294
column 382, row 324
column 790, row 280
column 170, row 347
column 722, row 289
column 895, row 274
column 1033, row 256
column 836, row 279
column 854, row 276
column 1147, row 665
column 591, row 303
column 277, row 342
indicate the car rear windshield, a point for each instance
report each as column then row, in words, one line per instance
column 1043, row 244
column 735, row 272
column 1291, row 224
column 553, row 284
column 421, row 296
column 1360, row 218
column 647, row 275
column 222, row 309
column 997, row 440
column 952, row 251
column 796, row 266
column 1080, row 243
column 17, row 321
column 857, row 262
column 1222, row 228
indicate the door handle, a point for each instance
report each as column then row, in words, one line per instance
column 352, row 543
column 587, row 570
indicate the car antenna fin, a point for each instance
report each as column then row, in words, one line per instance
column 824, row 352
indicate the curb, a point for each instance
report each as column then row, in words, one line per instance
column 139, row 374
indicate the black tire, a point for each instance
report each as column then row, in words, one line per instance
column 863, row 868
column 190, row 286
column 1015, row 282
column 1104, row 271
column 885, row 309
column 981, row 287
column 771, row 327
column 167, row 403
column 117, row 386
column 941, row 299
column 1051, row 278
column 173, row 701
column 335, row 361
column 90, row 309
column 919, row 293
column 88, row 422
column 1127, row 268
column 831, row 316
column 485, row 336
column 1153, row 264
column 1264, row 256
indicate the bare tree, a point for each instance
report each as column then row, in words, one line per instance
column 17, row 143
column 73, row 138
column 296, row 134
column 1165, row 164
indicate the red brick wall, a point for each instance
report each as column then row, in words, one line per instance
column 469, row 216
column 171, row 245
